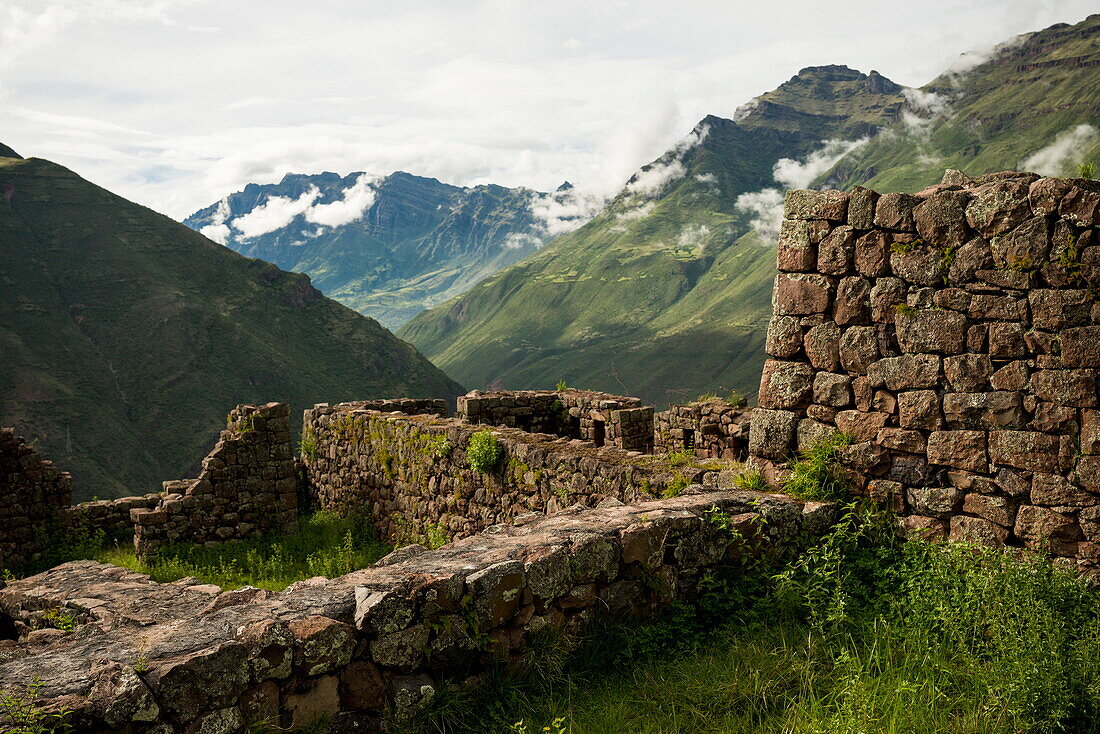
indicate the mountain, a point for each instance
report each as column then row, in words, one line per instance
column 666, row 292
column 1028, row 105
column 388, row 247
column 126, row 337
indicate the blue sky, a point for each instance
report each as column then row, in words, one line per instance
column 176, row 103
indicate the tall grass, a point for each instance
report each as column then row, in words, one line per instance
column 860, row 633
column 326, row 544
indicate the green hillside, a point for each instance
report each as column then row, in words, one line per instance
column 667, row 295
column 126, row 336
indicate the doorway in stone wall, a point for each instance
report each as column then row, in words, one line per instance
column 599, row 432
column 689, row 439
column 574, row 427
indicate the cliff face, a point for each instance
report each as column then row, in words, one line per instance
column 127, row 336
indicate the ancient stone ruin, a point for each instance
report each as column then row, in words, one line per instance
column 954, row 336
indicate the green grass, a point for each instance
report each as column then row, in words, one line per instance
column 326, row 544
column 859, row 633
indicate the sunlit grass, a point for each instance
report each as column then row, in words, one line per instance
column 326, row 544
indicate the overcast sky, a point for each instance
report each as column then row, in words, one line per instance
column 176, row 103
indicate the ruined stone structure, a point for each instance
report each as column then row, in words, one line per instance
column 410, row 472
column 954, row 335
column 166, row 658
column 603, row 419
column 32, row 490
column 711, row 428
column 247, row 487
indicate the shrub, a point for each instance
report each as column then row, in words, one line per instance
column 817, row 475
column 1087, row 170
column 751, row 479
column 484, row 451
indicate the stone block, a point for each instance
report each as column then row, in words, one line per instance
column 886, row 294
column 1013, row 376
column 1042, row 527
column 1000, row 510
column 998, row 207
column 795, row 253
column 921, row 265
column 1081, row 347
column 972, row 257
column 784, row 338
column 808, row 204
column 836, row 251
column 822, row 346
column 907, row 372
column 1025, row 247
column 919, row 409
column 977, row 530
column 800, row 294
column 941, row 219
column 858, row 348
column 999, row 409
column 310, row 701
column 861, row 208
column 1053, row 490
column 959, row 450
column 902, row 439
column 921, row 527
column 832, row 389
column 1053, row 310
column 1075, row 388
column 931, row 330
column 872, row 254
column 1090, row 432
column 968, row 372
column 941, row 502
column 860, row 426
column 1006, row 341
column 772, row 433
column 785, row 385
column 853, row 301
column 895, row 211
column 1045, row 194
column 1024, row 450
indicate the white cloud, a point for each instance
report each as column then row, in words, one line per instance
column 651, row 180
column 563, row 211
column 766, row 205
column 1057, row 158
column 929, row 103
column 275, row 213
column 474, row 92
column 693, row 237
column 353, row 203
column 637, row 212
column 217, row 229
column 706, row 178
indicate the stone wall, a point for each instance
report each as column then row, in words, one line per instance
column 411, row 472
column 171, row 658
column 112, row 517
column 954, row 335
column 247, row 487
column 711, row 428
column 604, row 419
column 32, row 490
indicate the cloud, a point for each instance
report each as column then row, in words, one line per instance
column 217, row 229
column 1056, row 158
column 766, row 206
column 652, row 179
column 275, row 213
column 353, row 203
column 693, row 237
column 929, row 103
column 564, row 210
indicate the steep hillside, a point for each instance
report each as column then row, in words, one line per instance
column 1027, row 98
column 388, row 247
column 666, row 292
column 126, row 336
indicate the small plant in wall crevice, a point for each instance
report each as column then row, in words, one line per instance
column 484, row 451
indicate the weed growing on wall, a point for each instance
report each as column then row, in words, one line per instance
column 484, row 451
column 20, row 710
column 817, row 473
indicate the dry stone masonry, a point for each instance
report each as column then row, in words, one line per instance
column 954, row 335
column 32, row 490
column 149, row 658
column 411, row 474
column 247, row 487
column 711, row 428
column 611, row 420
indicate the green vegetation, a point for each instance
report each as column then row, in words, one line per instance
column 752, row 480
column 816, row 474
column 26, row 716
column 904, row 309
column 132, row 335
column 484, row 451
column 326, row 544
column 1087, row 170
column 860, row 632
column 561, row 386
column 657, row 296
